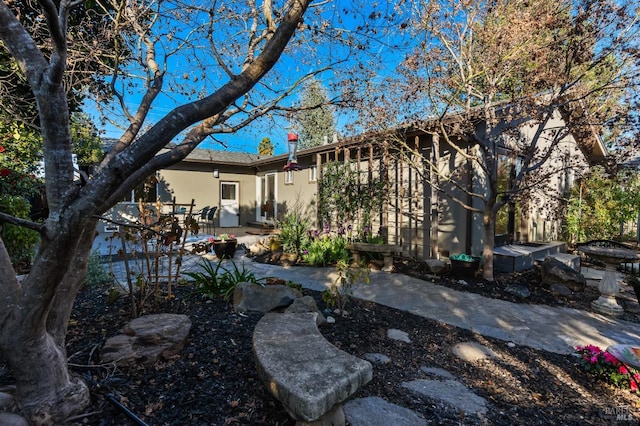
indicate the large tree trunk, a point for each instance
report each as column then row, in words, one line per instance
column 33, row 334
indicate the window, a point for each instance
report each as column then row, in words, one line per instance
column 147, row 191
column 228, row 191
column 288, row 177
column 313, row 173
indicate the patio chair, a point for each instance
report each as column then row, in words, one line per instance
column 202, row 216
column 210, row 224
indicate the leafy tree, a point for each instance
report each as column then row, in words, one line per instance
column 600, row 204
column 316, row 119
column 506, row 71
column 344, row 195
column 232, row 52
column 86, row 25
column 265, row 147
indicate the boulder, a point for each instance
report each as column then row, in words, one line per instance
column 436, row 266
column 556, row 272
column 148, row 339
column 260, row 247
column 560, row 290
column 306, row 304
column 518, row 290
column 12, row 419
column 253, row 297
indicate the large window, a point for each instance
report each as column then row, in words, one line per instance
column 147, row 192
column 508, row 217
column 313, row 173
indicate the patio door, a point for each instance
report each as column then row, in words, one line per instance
column 229, row 205
column 268, row 204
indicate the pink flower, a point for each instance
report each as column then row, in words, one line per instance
column 211, row 239
column 633, row 386
column 232, row 236
column 610, row 358
column 623, row 370
column 594, row 359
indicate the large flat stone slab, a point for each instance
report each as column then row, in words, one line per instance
column 452, row 392
column 375, row 411
column 301, row 368
column 147, row 339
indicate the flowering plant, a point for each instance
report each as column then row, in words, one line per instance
column 225, row 237
column 603, row 365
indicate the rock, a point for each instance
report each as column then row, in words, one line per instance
column 518, row 290
column 147, row 339
column 6, row 401
column 400, row 335
column 306, row 304
column 556, row 272
column 560, row 290
column 12, row 419
column 377, row 358
column 331, row 320
column 472, row 351
column 440, row 372
column 436, row 266
column 450, row 391
column 260, row 247
column 375, row 411
column 253, row 297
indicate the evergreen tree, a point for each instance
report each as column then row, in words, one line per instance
column 265, row 147
column 316, row 118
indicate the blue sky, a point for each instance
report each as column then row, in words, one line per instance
column 288, row 69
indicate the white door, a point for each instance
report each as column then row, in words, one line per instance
column 229, row 205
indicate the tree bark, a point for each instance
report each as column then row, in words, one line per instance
column 489, row 228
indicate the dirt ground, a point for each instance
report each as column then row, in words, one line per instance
column 214, row 380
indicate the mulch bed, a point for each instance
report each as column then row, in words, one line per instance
column 214, row 381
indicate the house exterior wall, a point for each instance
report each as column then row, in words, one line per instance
column 413, row 208
column 300, row 194
column 198, row 183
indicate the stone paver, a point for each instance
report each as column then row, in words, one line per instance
column 375, row 411
column 452, row 392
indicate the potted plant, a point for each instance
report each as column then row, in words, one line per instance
column 225, row 245
column 464, row 265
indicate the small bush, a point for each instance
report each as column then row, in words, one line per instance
column 293, row 233
column 217, row 281
column 19, row 241
column 604, row 366
column 96, row 272
column 327, row 249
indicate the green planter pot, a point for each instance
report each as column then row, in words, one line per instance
column 465, row 268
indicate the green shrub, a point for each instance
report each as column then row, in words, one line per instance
column 342, row 288
column 96, row 272
column 327, row 249
column 217, row 281
column 293, row 233
column 19, row 241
